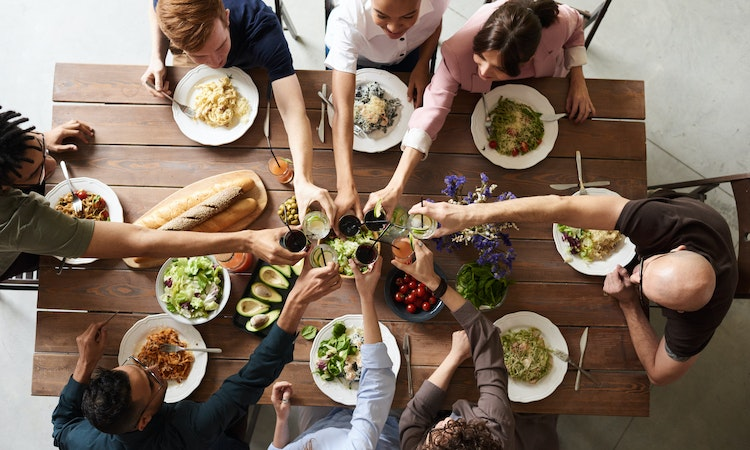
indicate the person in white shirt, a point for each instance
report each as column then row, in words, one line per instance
column 393, row 35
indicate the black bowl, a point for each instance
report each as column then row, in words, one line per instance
column 390, row 289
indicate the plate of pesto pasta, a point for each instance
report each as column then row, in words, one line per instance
column 518, row 138
column 533, row 372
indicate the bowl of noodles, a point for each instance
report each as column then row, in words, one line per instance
column 99, row 203
column 225, row 100
column 181, row 371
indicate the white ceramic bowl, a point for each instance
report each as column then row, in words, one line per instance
column 225, row 290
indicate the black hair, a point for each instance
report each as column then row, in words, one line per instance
column 515, row 29
column 13, row 145
column 107, row 402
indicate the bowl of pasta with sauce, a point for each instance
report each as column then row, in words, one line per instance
column 99, row 203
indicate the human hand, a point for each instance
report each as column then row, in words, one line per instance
column 347, row 200
column 423, row 268
column 265, row 245
column 308, row 193
column 72, row 129
column 315, row 283
column 368, row 281
column 618, row 286
column 460, row 346
column 578, row 104
column 389, row 197
column 418, row 81
column 91, row 344
column 155, row 74
column 448, row 215
column 281, row 396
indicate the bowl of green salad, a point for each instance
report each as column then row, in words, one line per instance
column 192, row 290
column 345, row 249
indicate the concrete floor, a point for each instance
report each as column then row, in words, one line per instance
column 688, row 52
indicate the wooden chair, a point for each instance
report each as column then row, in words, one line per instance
column 27, row 281
column 284, row 18
column 741, row 188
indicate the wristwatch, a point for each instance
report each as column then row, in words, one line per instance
column 440, row 290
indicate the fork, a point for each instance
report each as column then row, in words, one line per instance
column 357, row 129
column 582, row 190
column 188, row 111
column 487, row 119
column 171, row 348
column 565, row 357
column 77, row 203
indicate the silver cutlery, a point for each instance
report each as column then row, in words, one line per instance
column 321, row 127
column 357, row 129
column 565, row 357
column 98, row 332
column 552, row 117
column 584, row 340
column 77, row 203
column 565, row 187
column 61, row 266
column 267, row 121
column 188, row 111
column 487, row 118
column 407, row 356
column 171, row 348
column 581, row 191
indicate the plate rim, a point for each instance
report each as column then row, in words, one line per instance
column 523, row 94
column 407, row 108
column 116, row 213
column 196, row 131
column 519, row 391
column 201, row 358
column 595, row 268
column 349, row 397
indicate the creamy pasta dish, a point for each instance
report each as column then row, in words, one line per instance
column 218, row 103
column 372, row 110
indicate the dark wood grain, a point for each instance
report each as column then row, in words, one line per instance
column 141, row 153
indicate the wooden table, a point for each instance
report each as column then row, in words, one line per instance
column 143, row 156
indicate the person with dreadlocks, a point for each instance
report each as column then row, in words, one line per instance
column 29, row 227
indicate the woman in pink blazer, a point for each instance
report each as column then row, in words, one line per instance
column 504, row 40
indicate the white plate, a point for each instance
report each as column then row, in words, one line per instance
column 336, row 390
column 380, row 141
column 89, row 185
column 622, row 255
column 136, row 336
column 201, row 132
column 522, row 94
column 520, row 391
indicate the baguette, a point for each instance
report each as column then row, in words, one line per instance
column 180, row 202
column 204, row 210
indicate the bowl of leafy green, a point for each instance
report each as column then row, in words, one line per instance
column 192, row 290
column 477, row 284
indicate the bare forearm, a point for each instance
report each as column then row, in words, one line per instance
column 429, row 46
column 292, row 313
column 291, row 105
column 281, row 433
column 344, row 84
column 410, row 158
column 159, row 42
column 442, row 376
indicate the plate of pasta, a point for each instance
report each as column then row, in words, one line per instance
column 381, row 110
column 225, row 101
column 183, row 371
column 593, row 252
column 525, row 337
column 99, row 203
column 519, row 138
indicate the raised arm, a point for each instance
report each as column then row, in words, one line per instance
column 597, row 212
column 291, row 104
column 347, row 199
column 420, row 76
column 156, row 71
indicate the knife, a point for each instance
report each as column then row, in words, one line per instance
column 267, row 122
column 563, row 187
column 584, row 338
column 321, row 127
column 407, row 356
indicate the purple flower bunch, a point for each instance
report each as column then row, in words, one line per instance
column 490, row 239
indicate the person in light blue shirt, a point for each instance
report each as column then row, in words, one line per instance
column 368, row 426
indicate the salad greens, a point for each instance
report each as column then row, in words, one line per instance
column 335, row 354
column 309, row 332
column 192, row 286
column 477, row 284
column 345, row 249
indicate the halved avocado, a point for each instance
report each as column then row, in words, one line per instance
column 285, row 270
column 261, row 321
column 265, row 293
column 249, row 307
column 297, row 267
column 273, row 277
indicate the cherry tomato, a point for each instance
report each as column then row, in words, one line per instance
column 399, row 297
column 399, row 281
column 411, row 298
column 432, row 300
column 411, row 308
column 412, row 285
column 403, row 289
column 426, row 306
column 514, row 152
column 492, row 144
column 420, row 292
column 105, row 214
column 81, row 194
column 524, row 147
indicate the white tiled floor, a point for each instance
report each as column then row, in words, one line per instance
column 691, row 55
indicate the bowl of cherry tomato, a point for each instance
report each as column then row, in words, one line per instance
column 409, row 298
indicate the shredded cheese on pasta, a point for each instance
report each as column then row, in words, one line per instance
column 170, row 366
column 219, row 104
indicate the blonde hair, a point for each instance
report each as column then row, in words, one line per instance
column 188, row 23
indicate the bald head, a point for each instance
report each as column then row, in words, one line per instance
column 681, row 280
